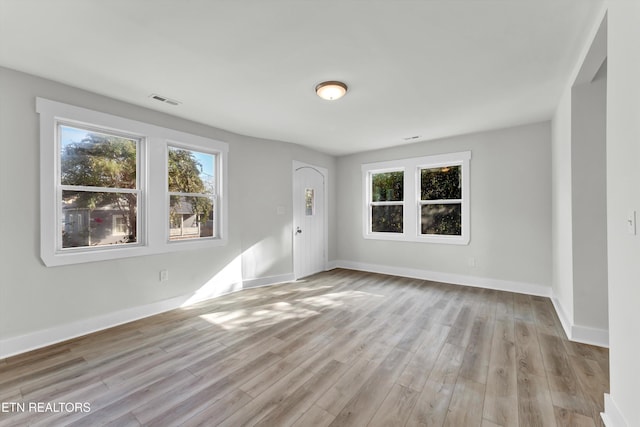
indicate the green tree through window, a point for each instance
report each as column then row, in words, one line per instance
column 441, row 200
column 387, row 194
column 104, row 163
column 191, row 190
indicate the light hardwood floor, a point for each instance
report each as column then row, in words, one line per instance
column 341, row 348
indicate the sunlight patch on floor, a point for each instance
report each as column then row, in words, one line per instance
column 263, row 316
column 271, row 314
column 337, row 299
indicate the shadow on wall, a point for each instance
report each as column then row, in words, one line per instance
column 229, row 279
column 252, row 263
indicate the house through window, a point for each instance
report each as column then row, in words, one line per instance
column 105, row 194
column 191, row 184
column 99, row 187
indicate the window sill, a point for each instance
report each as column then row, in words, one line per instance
column 68, row 257
column 402, row 237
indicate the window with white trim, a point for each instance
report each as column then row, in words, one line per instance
column 441, row 200
column 112, row 187
column 192, row 193
column 99, row 186
column 387, row 201
column 422, row 199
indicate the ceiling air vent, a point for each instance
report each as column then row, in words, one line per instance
column 411, row 138
column 164, row 99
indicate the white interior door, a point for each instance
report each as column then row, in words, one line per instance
column 308, row 220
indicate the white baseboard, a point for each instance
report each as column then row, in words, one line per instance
column 21, row 344
column 331, row 265
column 42, row 338
column 565, row 320
column 588, row 335
column 612, row 417
column 579, row 333
column 38, row 339
column 456, row 279
column 267, row 281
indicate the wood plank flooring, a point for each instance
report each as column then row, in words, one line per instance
column 340, row 348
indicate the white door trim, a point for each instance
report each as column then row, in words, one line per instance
column 325, row 174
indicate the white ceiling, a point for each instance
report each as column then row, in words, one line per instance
column 427, row 68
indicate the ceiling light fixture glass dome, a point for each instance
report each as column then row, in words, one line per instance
column 331, row 90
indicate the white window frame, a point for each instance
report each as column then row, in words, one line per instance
column 412, row 203
column 214, row 196
column 152, row 174
column 370, row 204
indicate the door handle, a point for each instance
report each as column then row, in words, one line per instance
column 298, row 230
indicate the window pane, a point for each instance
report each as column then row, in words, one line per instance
column 190, row 217
column 387, row 187
column 98, row 219
column 308, row 201
column 191, row 171
column 445, row 219
column 96, row 159
column 441, row 183
column 120, row 226
column 386, row 219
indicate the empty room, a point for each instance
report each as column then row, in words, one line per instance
column 319, row 213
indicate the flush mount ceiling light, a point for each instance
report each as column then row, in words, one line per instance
column 331, row 90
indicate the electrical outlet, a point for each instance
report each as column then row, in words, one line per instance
column 164, row 275
column 472, row 261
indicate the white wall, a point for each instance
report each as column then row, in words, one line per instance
column 623, row 196
column 579, row 195
column 510, row 213
column 38, row 303
column 589, row 202
column 562, row 229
